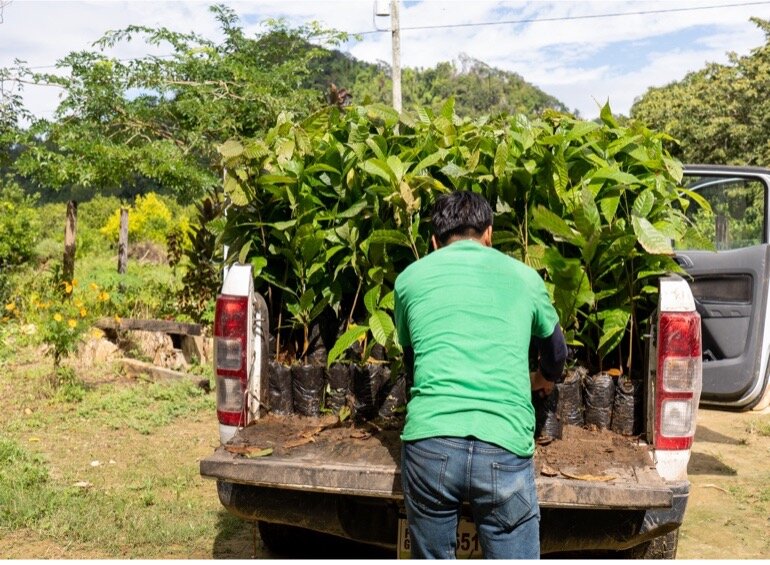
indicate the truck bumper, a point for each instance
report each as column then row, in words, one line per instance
column 375, row 520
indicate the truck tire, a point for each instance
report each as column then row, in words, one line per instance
column 295, row 542
column 280, row 538
column 661, row 547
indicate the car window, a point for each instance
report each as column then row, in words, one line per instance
column 737, row 215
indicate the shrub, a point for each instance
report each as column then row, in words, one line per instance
column 328, row 211
column 19, row 227
column 149, row 219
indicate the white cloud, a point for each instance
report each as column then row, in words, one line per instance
column 567, row 58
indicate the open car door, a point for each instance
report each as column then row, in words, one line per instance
column 730, row 268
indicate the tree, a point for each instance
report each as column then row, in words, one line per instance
column 155, row 121
column 477, row 88
column 720, row 114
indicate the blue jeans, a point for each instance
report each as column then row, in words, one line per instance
column 439, row 474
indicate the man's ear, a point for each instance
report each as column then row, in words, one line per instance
column 486, row 237
column 434, row 241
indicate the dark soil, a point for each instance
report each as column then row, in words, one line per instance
column 594, row 452
column 581, row 452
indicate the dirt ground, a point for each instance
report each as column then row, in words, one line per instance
column 728, row 514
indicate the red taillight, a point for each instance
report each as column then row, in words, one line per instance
column 230, row 347
column 678, row 381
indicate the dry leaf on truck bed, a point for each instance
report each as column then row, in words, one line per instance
column 548, row 471
column 249, row 450
column 311, row 433
column 595, row 478
column 302, row 440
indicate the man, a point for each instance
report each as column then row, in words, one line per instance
column 465, row 315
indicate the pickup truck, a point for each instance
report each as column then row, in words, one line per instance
column 708, row 344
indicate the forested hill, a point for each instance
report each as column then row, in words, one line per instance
column 478, row 88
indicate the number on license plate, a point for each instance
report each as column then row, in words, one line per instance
column 468, row 546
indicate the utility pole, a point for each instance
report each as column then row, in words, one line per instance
column 395, row 35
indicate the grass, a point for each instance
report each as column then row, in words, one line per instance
column 760, row 426
column 113, row 474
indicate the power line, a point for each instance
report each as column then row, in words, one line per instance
column 508, row 22
column 566, row 18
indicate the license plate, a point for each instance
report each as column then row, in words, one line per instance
column 468, row 546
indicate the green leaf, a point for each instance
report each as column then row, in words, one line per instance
column 378, row 168
column 354, row 210
column 352, row 335
column 697, row 198
column 429, row 161
column 372, row 298
column 230, row 148
column 382, row 326
column 543, row 218
column 265, row 180
column 614, row 325
column 394, row 237
column 643, row 203
column 317, row 167
column 651, row 240
column 257, row 264
column 560, row 174
column 382, row 112
column 233, row 189
column 581, row 129
column 609, row 206
column 253, row 454
column 397, row 167
column 614, row 175
column 674, row 168
column 606, row 115
column 448, row 109
column 344, row 413
column 501, row 157
column 244, row 253
column 388, row 302
column 452, row 170
column 587, row 218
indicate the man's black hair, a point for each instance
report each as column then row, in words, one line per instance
column 461, row 213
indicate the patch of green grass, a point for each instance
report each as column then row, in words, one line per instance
column 144, row 407
column 760, row 426
column 24, row 496
column 142, row 521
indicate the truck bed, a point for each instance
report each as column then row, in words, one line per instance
column 585, row 469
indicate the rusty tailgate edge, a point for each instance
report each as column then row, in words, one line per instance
column 385, row 482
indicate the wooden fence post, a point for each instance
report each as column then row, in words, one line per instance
column 123, row 241
column 70, row 231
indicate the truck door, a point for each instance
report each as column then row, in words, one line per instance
column 729, row 261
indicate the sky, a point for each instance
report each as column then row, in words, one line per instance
column 581, row 52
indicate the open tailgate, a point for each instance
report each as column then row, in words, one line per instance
column 307, row 456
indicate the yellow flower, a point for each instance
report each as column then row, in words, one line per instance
column 10, row 306
column 74, row 282
column 94, row 286
column 104, row 296
column 117, row 318
column 57, row 317
column 67, row 287
column 72, row 323
column 83, row 312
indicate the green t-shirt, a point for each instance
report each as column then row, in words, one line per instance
column 468, row 312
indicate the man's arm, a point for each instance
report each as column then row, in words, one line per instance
column 552, row 352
